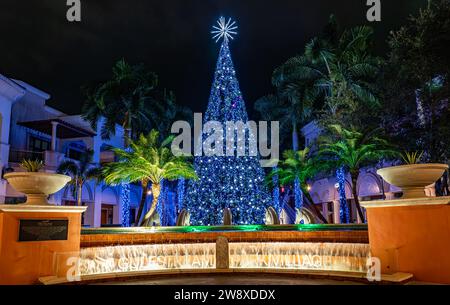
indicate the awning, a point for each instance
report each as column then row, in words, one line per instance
column 63, row 131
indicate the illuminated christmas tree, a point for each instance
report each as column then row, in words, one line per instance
column 232, row 182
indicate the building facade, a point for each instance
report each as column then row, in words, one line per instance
column 30, row 129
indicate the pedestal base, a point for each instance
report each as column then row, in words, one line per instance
column 37, row 199
column 24, row 262
column 411, row 235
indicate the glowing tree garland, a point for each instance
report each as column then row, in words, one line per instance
column 344, row 212
column 298, row 194
column 236, row 183
column 125, row 200
column 276, row 194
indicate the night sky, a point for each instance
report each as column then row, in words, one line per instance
column 171, row 37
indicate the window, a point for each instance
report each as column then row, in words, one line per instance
column 74, row 154
column 38, row 144
column 75, row 150
column 107, row 214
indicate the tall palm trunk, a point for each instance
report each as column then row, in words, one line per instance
column 125, row 189
column 156, row 190
column 354, row 175
column 295, row 144
column 296, row 147
column 127, row 137
column 79, row 193
column 142, row 203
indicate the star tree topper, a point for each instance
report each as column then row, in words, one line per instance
column 224, row 29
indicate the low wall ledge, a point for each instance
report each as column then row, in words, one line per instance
column 24, row 208
column 427, row 201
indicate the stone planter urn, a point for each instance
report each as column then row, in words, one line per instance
column 37, row 186
column 413, row 179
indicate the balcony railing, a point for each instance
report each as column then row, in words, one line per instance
column 17, row 156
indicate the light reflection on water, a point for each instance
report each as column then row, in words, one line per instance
column 300, row 256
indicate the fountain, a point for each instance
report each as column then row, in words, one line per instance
column 348, row 257
column 302, row 256
column 135, row 258
column 113, row 252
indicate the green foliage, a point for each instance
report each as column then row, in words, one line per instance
column 297, row 164
column 131, row 98
column 333, row 76
column 293, row 103
column 350, row 69
column 353, row 149
column 416, row 85
column 302, row 166
column 412, row 157
column 420, row 48
column 32, row 166
column 80, row 171
column 147, row 160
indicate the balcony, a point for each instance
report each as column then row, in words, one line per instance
column 51, row 159
column 17, row 156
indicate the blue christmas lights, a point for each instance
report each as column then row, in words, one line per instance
column 125, row 200
column 344, row 212
column 276, row 194
column 298, row 194
column 235, row 182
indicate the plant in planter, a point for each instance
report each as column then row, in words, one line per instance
column 37, row 186
column 413, row 177
column 32, row 166
column 412, row 157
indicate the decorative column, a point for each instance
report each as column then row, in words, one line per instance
column 222, row 253
column 54, row 129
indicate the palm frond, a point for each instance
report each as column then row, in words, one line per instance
column 147, row 159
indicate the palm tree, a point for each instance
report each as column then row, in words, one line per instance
column 291, row 106
column 352, row 150
column 335, row 69
column 148, row 161
column 349, row 69
column 298, row 165
column 81, row 172
column 126, row 99
column 167, row 112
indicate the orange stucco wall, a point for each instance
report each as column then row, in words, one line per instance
column 413, row 239
column 25, row 262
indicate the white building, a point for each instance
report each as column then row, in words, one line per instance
column 30, row 129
